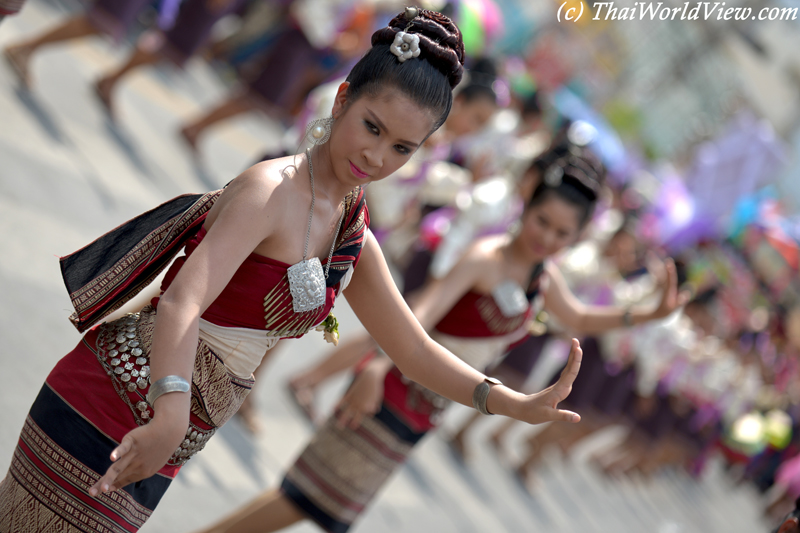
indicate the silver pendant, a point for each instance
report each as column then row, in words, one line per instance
column 510, row 298
column 307, row 285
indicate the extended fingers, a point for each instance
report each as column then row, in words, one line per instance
column 672, row 277
column 562, row 415
column 124, row 447
column 355, row 421
column 656, row 267
column 108, row 482
column 570, row 372
column 674, row 298
column 343, row 415
column 684, row 297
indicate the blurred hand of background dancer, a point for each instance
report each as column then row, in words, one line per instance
column 667, row 278
column 365, row 395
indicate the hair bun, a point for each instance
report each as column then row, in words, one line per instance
column 583, row 169
column 439, row 40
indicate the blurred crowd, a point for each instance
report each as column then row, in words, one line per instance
column 720, row 378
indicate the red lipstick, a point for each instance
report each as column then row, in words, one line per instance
column 360, row 174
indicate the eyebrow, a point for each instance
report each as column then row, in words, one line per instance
column 383, row 127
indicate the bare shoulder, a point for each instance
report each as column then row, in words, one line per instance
column 478, row 263
column 485, row 251
column 268, row 181
column 267, row 185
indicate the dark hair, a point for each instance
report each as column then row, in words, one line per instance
column 705, row 298
column 573, row 174
column 532, row 105
column 482, row 76
column 428, row 79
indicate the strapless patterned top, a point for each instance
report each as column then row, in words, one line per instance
column 478, row 315
column 257, row 296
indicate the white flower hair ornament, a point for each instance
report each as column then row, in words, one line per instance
column 405, row 46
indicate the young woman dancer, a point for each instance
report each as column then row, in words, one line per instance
column 477, row 310
column 108, row 431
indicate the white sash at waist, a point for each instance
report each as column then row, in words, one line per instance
column 241, row 349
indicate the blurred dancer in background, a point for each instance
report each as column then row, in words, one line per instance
column 483, row 304
column 604, row 390
column 110, row 17
column 190, row 32
column 290, row 70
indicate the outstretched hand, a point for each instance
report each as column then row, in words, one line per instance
column 667, row 277
column 543, row 406
column 143, row 451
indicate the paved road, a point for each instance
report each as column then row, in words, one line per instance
column 67, row 175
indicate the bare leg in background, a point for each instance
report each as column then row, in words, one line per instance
column 271, row 511
column 347, row 355
column 105, row 86
column 19, row 55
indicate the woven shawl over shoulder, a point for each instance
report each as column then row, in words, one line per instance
column 102, row 276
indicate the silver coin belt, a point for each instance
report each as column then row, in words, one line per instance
column 120, row 351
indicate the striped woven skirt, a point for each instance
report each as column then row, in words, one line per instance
column 91, row 399
column 342, row 469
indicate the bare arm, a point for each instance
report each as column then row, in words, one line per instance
column 365, row 394
column 593, row 319
column 242, row 222
column 378, row 304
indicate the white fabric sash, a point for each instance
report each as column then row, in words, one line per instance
column 241, row 349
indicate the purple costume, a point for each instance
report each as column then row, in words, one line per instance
column 115, row 17
column 192, row 28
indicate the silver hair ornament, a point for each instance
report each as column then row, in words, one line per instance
column 553, row 176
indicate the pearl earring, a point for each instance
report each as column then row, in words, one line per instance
column 319, row 131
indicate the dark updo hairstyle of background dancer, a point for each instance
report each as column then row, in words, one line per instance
column 482, row 77
column 579, row 182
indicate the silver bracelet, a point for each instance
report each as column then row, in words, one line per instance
column 481, row 394
column 166, row 385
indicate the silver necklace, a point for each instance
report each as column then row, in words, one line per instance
column 510, row 298
column 306, row 278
